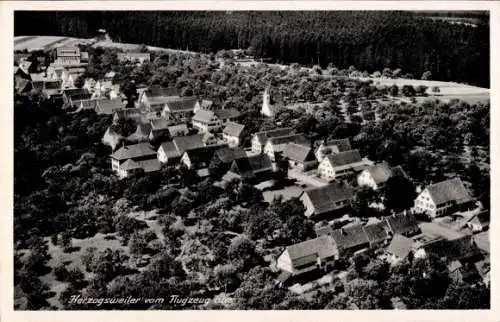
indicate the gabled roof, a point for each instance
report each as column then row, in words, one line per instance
column 123, row 113
column 456, row 249
column 350, row 237
column 227, row 113
column 482, row 218
column 86, row 103
column 76, row 91
column 68, row 51
column 341, row 144
column 174, row 130
column 134, row 151
column 162, row 100
column 159, row 124
column 156, row 91
column 449, row 190
column 344, row 158
column 402, row 223
column 80, row 97
column 309, row 250
column 202, row 154
column 106, row 106
column 324, row 198
column 253, row 164
column 400, row 246
column 298, row 152
column 146, row 165
column 181, row 105
column 380, row 173
column 263, row 136
column 295, row 138
column 188, row 142
column 377, row 232
column 233, row 129
column 206, row 104
column 170, row 150
column 204, row 116
column 228, row 155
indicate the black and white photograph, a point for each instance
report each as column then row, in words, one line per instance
column 251, row 159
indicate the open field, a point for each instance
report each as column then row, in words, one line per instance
column 45, row 42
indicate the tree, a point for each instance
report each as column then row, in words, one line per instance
column 242, row 253
column 399, row 194
column 421, row 90
column 408, row 91
column 394, row 90
column 426, row 75
column 129, row 89
column 362, row 200
column 435, row 89
column 79, row 81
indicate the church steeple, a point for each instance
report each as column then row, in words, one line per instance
column 266, row 104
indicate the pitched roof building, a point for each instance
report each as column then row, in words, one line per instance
column 377, row 175
column 335, row 197
column 403, row 224
column 252, row 166
column 400, row 247
column 328, row 147
column 107, row 107
column 300, row 156
column 259, row 139
column 199, row 157
column 341, row 164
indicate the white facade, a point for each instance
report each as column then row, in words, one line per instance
column 366, row 179
column 186, row 161
column 232, row 141
column 266, row 109
column 325, row 170
column 256, row 146
column 213, row 125
column 425, row 204
column 284, row 263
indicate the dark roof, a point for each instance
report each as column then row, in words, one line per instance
column 202, row 154
column 402, row 223
column 400, row 246
column 180, row 105
column 159, row 124
column 227, row 113
column 170, row 150
column 377, row 232
column 298, row 152
column 177, row 129
column 482, row 218
column 449, row 190
column 291, row 138
column 233, row 129
column 341, row 144
column 106, row 106
column 188, row 142
column 382, row 172
column 162, row 91
column 309, row 250
column 350, row 237
column 146, row 165
column 228, row 155
column 256, row 163
column 455, row 249
column 265, row 135
column 324, row 198
column 206, row 104
column 75, row 92
column 127, row 112
column 80, row 97
column 325, row 230
column 204, row 116
column 344, row 158
column 134, row 151
column 87, row 103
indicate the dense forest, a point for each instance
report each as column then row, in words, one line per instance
column 368, row 40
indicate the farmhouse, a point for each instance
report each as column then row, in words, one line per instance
column 377, row 175
column 260, row 139
column 334, row 198
column 400, row 247
column 178, row 130
column 199, row 157
column 350, row 239
column 129, row 113
column 159, row 128
column 138, row 153
column 105, row 106
column 378, row 234
column 233, row 133
column 252, row 167
column 341, row 164
column 226, row 155
column 179, row 110
column 315, row 254
column 156, row 97
column 206, row 121
column 443, row 198
column 328, row 147
column 203, row 105
column 300, row 156
column 141, row 133
column 278, row 144
column 171, row 152
column 75, row 94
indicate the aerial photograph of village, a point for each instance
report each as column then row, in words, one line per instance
column 251, row 160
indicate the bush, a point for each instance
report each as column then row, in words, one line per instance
column 61, row 273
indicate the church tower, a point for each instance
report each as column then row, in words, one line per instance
column 266, row 104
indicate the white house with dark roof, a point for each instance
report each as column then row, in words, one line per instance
column 159, row 127
column 179, row 110
column 300, row 156
column 333, row 198
column 341, row 164
column 318, row 253
column 137, row 153
column 170, row 152
column 139, row 58
column 399, row 248
column 105, row 106
column 203, row 105
column 278, row 144
column 328, row 147
column 178, row 130
column 259, row 139
column 206, row 121
column 156, row 97
column 441, row 198
column 141, row 134
column 377, row 175
column 233, row 133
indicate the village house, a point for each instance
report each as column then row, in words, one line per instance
column 443, row 198
column 331, row 200
column 480, row 221
column 112, row 138
column 75, row 94
column 203, row 105
column 171, row 152
column 67, row 56
column 86, row 104
column 108, row 107
column 199, row 157
column 277, row 145
column 350, row 240
column 55, row 72
column 178, row 130
column 159, row 129
column 300, row 156
column 70, row 75
column 233, row 133
column 139, row 58
column 84, row 57
column 206, row 121
column 89, row 84
column 141, row 133
column 377, row 175
column 225, row 156
column 156, row 97
column 403, row 224
column 315, row 254
column 399, row 248
column 260, row 139
column 252, row 167
column 179, row 110
column 378, row 234
column 342, row 164
column 327, row 147
column 143, row 156
column 135, row 114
